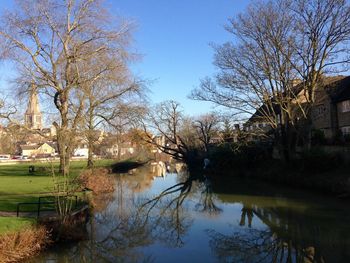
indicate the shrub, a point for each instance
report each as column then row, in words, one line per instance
column 237, row 157
column 317, row 160
column 15, row 247
column 318, row 137
column 338, row 137
column 97, row 180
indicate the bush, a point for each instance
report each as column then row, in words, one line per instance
column 318, row 137
column 15, row 247
column 239, row 157
column 97, row 180
column 317, row 160
column 338, row 137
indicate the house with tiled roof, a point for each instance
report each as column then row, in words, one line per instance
column 330, row 112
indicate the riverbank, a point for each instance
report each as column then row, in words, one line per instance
column 23, row 237
column 333, row 181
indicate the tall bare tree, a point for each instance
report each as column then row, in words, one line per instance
column 276, row 43
column 322, row 34
column 51, row 42
column 257, row 69
column 108, row 99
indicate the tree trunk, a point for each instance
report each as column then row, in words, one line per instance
column 64, row 152
column 90, row 162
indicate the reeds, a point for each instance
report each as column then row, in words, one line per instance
column 15, row 247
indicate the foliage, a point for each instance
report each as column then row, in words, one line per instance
column 239, row 157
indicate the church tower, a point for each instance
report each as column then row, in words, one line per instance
column 33, row 114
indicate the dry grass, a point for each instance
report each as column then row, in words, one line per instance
column 97, row 180
column 15, row 247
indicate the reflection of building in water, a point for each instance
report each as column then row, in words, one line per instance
column 180, row 167
column 159, row 169
column 247, row 212
column 293, row 231
column 138, row 180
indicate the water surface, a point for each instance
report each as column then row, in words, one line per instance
column 165, row 217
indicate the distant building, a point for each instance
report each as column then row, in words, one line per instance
column 82, row 151
column 37, row 150
column 33, row 118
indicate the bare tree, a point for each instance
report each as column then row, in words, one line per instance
column 106, row 102
column 256, row 73
column 51, row 43
column 278, row 43
column 174, row 131
column 322, row 34
column 207, row 127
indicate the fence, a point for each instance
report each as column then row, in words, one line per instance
column 40, row 203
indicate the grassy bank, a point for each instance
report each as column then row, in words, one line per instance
column 11, row 224
column 18, row 185
column 22, row 237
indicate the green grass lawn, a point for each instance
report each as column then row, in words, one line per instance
column 11, row 224
column 18, row 185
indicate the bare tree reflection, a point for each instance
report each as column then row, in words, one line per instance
column 169, row 205
column 127, row 222
column 206, row 202
column 287, row 236
column 254, row 245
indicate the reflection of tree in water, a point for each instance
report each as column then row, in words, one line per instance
column 288, row 237
column 254, row 245
column 120, row 229
column 116, row 233
column 247, row 212
column 206, row 202
column 168, row 206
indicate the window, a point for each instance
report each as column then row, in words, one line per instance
column 319, row 111
column 345, row 106
column 345, row 130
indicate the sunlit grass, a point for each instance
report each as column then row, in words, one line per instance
column 12, row 224
column 18, row 185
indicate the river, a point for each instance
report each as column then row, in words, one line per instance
column 157, row 216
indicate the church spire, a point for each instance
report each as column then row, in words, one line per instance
column 33, row 113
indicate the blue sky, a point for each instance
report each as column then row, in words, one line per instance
column 173, row 36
